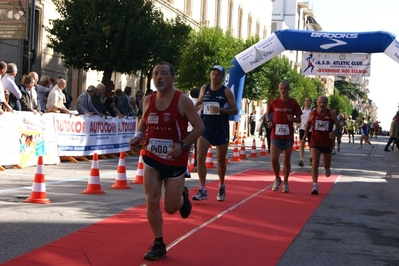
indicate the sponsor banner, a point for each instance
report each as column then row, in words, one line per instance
column 393, row 50
column 331, row 64
column 37, row 138
column 26, row 135
column 260, row 53
column 9, row 152
column 86, row 135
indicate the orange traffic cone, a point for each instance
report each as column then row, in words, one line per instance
column 236, row 155
column 38, row 193
column 191, row 163
column 140, row 170
column 253, row 150
column 121, row 180
column 209, row 158
column 226, row 160
column 263, row 148
column 245, row 134
column 243, row 155
column 93, row 185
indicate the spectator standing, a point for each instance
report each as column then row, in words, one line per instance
column 96, row 100
column 8, row 82
column 166, row 154
column 306, row 109
column 376, row 128
column 123, row 101
column 194, row 94
column 216, row 103
column 338, row 136
column 322, row 121
column 286, row 111
column 139, row 101
column 56, row 99
column 393, row 133
column 134, row 109
column 84, row 106
column 3, row 103
column 350, row 123
column 252, row 122
column 43, row 87
column 29, row 98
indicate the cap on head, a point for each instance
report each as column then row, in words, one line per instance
column 218, row 67
column 91, row 88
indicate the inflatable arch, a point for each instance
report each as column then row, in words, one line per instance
column 313, row 41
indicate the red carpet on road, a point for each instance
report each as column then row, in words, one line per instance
column 254, row 225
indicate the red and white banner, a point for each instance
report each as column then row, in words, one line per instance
column 332, row 64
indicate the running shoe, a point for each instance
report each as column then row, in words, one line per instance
column 202, row 194
column 360, row 147
column 156, row 251
column 301, row 163
column 372, row 146
column 392, row 148
column 185, row 210
column 387, row 150
column 315, row 189
column 276, row 184
column 333, row 152
column 285, row 187
column 327, row 172
column 221, row 194
column 310, row 161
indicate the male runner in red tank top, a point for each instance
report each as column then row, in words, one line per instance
column 321, row 120
column 166, row 114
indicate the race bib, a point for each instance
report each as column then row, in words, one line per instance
column 282, row 130
column 321, row 125
column 159, row 147
column 207, row 107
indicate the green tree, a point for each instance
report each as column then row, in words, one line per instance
column 349, row 90
column 205, row 48
column 277, row 69
column 107, row 35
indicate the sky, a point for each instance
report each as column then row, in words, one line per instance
column 363, row 16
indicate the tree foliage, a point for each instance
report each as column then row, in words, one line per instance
column 107, row 35
column 205, row 48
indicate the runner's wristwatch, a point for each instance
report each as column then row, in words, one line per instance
column 183, row 145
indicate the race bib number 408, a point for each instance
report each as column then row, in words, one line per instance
column 159, row 147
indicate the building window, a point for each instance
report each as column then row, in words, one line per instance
column 230, row 16
column 217, row 13
column 204, row 11
column 249, row 31
column 239, row 22
column 187, row 7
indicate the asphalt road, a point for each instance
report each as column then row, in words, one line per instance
column 356, row 224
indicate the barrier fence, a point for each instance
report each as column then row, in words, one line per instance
column 26, row 136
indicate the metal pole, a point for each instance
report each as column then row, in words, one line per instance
column 31, row 51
